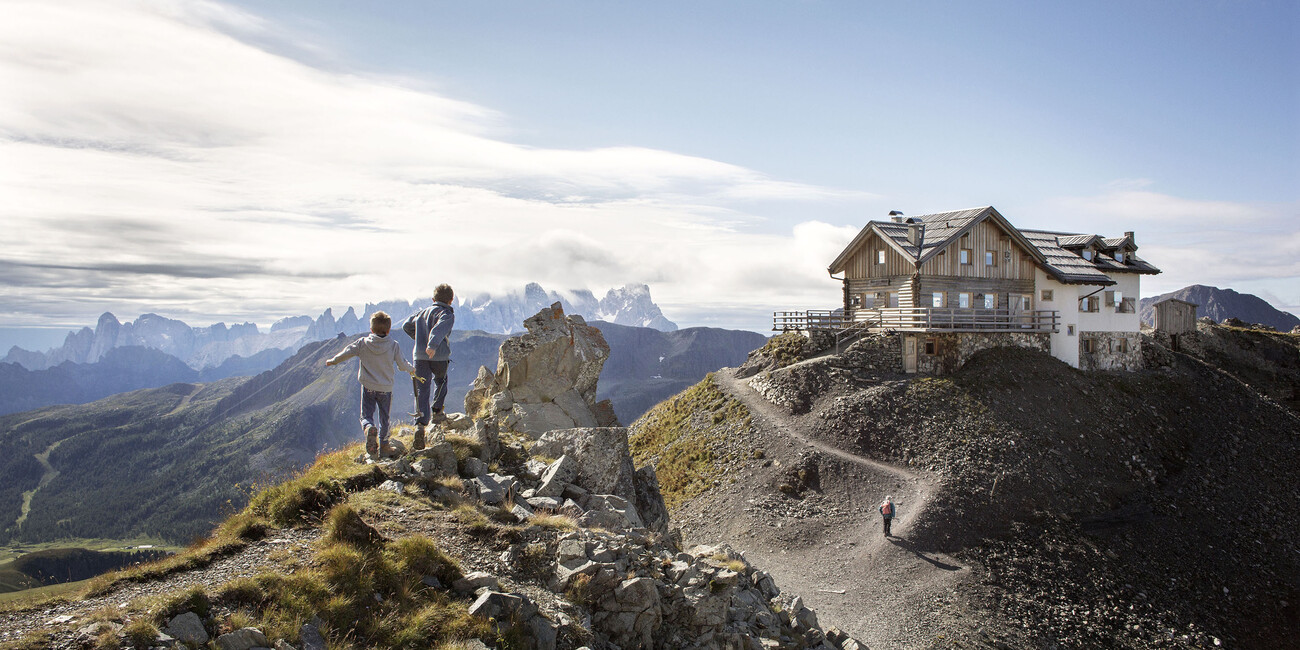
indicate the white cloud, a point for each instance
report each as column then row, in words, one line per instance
column 1238, row 245
column 154, row 156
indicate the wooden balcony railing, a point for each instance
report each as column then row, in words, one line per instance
column 921, row 319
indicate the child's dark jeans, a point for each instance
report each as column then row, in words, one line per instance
column 372, row 400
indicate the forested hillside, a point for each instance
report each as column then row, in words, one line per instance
column 170, row 461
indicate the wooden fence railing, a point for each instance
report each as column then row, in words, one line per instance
column 921, row 319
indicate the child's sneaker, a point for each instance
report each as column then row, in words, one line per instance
column 417, row 443
column 372, row 440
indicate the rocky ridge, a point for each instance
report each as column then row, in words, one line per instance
column 1148, row 509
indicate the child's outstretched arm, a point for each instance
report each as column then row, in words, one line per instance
column 347, row 353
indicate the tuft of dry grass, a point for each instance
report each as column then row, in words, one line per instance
column 551, row 521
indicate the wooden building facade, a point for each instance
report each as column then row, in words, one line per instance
column 973, row 274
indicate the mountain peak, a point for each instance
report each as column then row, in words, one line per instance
column 1221, row 304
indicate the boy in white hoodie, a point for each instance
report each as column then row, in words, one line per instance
column 378, row 353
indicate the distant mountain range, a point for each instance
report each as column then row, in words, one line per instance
column 169, row 461
column 1220, row 304
column 209, row 347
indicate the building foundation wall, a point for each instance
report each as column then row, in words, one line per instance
column 953, row 350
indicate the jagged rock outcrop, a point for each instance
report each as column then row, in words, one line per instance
column 546, row 378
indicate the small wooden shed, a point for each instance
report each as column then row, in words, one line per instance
column 1174, row 316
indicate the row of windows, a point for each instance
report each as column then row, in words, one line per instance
column 1115, row 299
column 966, row 300
column 1089, row 255
column 964, row 256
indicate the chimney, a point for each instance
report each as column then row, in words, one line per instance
column 915, row 234
column 1129, row 234
column 896, row 216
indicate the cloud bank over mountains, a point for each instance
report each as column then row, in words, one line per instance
column 168, row 156
column 158, row 160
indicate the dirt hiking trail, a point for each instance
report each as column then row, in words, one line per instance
column 884, row 591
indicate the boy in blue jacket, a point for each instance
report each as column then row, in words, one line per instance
column 378, row 353
column 430, row 327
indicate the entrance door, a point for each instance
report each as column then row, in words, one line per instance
column 909, row 354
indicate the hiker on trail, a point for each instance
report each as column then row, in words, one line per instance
column 430, row 328
column 378, row 353
column 888, row 510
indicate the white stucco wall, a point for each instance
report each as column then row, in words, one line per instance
column 1065, row 300
column 1108, row 319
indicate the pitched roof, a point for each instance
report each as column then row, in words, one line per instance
column 1065, row 265
column 941, row 229
column 1055, row 252
column 1069, row 268
column 1116, row 242
column 1075, row 241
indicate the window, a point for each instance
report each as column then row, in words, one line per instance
column 990, row 258
column 1123, row 345
column 963, row 256
column 938, row 299
column 1090, row 304
column 1117, row 298
column 1069, row 330
column 963, row 300
column 990, row 300
column 880, row 257
column 1088, row 345
column 1126, row 306
column 893, row 299
column 931, row 347
column 1045, row 295
column 1119, row 256
column 857, row 301
column 1087, row 254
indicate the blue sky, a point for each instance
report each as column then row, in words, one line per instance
column 251, row 160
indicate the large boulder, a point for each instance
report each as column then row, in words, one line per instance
column 604, row 466
column 602, row 455
column 545, row 379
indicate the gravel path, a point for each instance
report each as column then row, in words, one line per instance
column 831, row 551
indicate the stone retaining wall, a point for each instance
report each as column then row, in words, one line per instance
column 954, row 349
column 1111, row 351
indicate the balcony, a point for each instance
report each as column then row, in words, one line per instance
column 919, row 319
